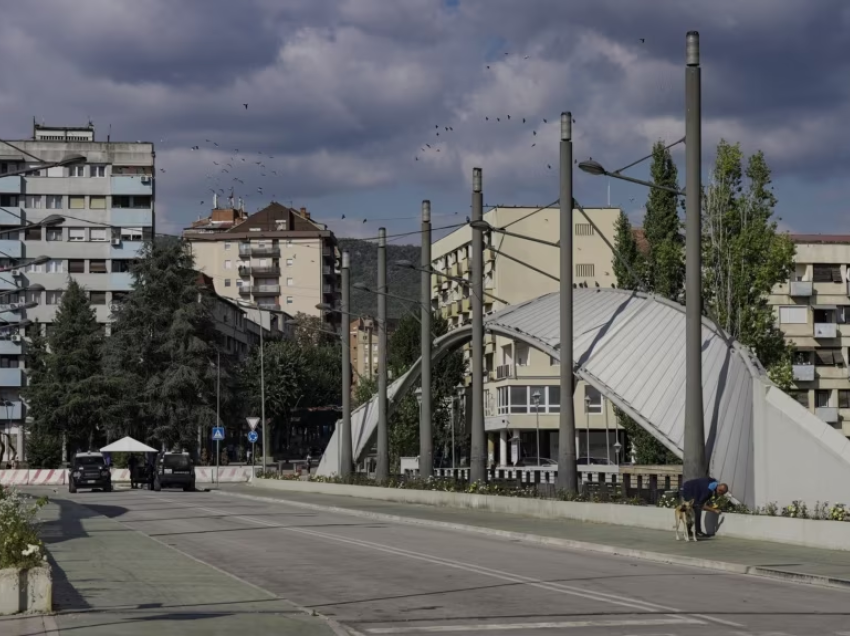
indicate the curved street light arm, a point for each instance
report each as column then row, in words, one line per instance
column 649, row 156
column 456, row 279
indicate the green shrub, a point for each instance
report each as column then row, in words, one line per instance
column 20, row 545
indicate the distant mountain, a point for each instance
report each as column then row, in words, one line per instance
column 400, row 281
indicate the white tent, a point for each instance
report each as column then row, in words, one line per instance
column 127, row 445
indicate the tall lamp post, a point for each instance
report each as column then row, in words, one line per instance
column 345, row 455
column 426, row 433
column 478, row 460
column 382, row 467
column 536, row 397
column 694, row 442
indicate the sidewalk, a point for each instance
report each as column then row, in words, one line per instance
column 775, row 560
column 109, row 580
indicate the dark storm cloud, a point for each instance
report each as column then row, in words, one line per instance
column 345, row 93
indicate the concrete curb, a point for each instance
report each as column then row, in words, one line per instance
column 584, row 546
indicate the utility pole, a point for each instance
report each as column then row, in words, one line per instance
column 217, row 405
column 478, row 461
column 344, row 439
column 567, row 473
column 426, row 432
column 694, row 444
column 382, row 469
column 263, row 422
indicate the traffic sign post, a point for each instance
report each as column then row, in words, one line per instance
column 217, row 435
column 252, row 437
column 252, row 423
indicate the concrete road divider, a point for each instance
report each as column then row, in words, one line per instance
column 59, row 476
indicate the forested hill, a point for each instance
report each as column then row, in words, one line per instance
column 400, row 281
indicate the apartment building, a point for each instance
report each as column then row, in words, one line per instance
column 813, row 311
column 364, row 347
column 105, row 201
column 522, row 383
column 277, row 258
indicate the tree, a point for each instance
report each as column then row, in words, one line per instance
column 404, row 349
column 629, row 256
column 44, row 443
column 665, row 266
column 83, row 397
column 310, row 330
column 162, row 352
column 744, row 256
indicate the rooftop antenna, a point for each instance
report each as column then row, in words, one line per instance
column 109, row 134
column 215, row 200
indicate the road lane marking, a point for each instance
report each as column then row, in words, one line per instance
column 503, row 627
column 601, row 597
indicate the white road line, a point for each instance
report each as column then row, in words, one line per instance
column 503, row 627
column 601, row 597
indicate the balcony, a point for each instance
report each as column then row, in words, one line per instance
column 465, row 305
column 265, row 290
column 10, row 185
column 244, row 290
column 328, row 252
column 9, row 348
column 828, row 414
column 10, row 249
column 12, row 410
column 257, row 250
column 504, row 371
column 825, row 330
column 244, row 271
column 11, row 377
column 269, row 270
column 800, row 288
column 327, row 270
column 139, row 185
column 328, row 289
column 804, row 372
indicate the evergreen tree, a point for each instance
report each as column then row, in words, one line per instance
column 665, row 265
column 629, row 255
column 162, row 351
column 74, row 368
column 44, row 441
column 744, row 256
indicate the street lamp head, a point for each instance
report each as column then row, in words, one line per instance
column 71, row 160
column 35, row 288
column 480, row 225
column 361, row 286
column 51, row 220
column 536, row 397
column 324, row 307
column 407, row 264
column 592, row 167
column 38, row 260
column 418, row 393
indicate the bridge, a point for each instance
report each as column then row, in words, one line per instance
column 630, row 347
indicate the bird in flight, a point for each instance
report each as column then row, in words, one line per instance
column 246, row 106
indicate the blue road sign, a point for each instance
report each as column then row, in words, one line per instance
column 218, row 433
column 253, row 437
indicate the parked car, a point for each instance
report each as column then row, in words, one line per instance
column 89, row 470
column 174, row 470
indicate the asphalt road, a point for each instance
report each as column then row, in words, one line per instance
column 385, row 578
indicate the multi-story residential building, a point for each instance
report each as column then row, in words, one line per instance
column 364, row 347
column 105, row 201
column 813, row 311
column 277, row 258
column 516, row 373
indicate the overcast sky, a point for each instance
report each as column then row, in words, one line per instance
column 343, row 95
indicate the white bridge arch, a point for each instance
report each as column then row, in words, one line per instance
column 630, row 347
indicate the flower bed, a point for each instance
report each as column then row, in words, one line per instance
column 822, row 510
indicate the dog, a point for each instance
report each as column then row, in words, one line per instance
column 686, row 516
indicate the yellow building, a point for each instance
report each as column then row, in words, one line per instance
column 278, row 258
column 515, row 372
column 812, row 310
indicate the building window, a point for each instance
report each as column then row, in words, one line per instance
column 289, row 262
column 228, row 264
column 522, row 352
column 54, row 234
column 585, row 271
column 135, row 202
column 227, row 245
column 77, row 171
column 584, row 229
column 822, row 397
column 9, row 200
column 55, row 266
column 34, row 268
column 34, row 201
column 593, row 399
column 793, row 315
column 76, row 266
column 131, row 234
column 801, row 396
column 121, row 266
column 843, row 399
column 32, row 234
column 829, row 358
column 97, row 267
column 97, row 171
column 227, row 281
column 290, row 282
column 289, row 300
column 76, row 203
column 76, row 234
column 97, row 297
column 98, row 234
column 54, row 202
column 53, row 297
column 97, row 203
column 826, row 273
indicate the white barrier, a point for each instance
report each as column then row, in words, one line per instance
column 59, row 476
